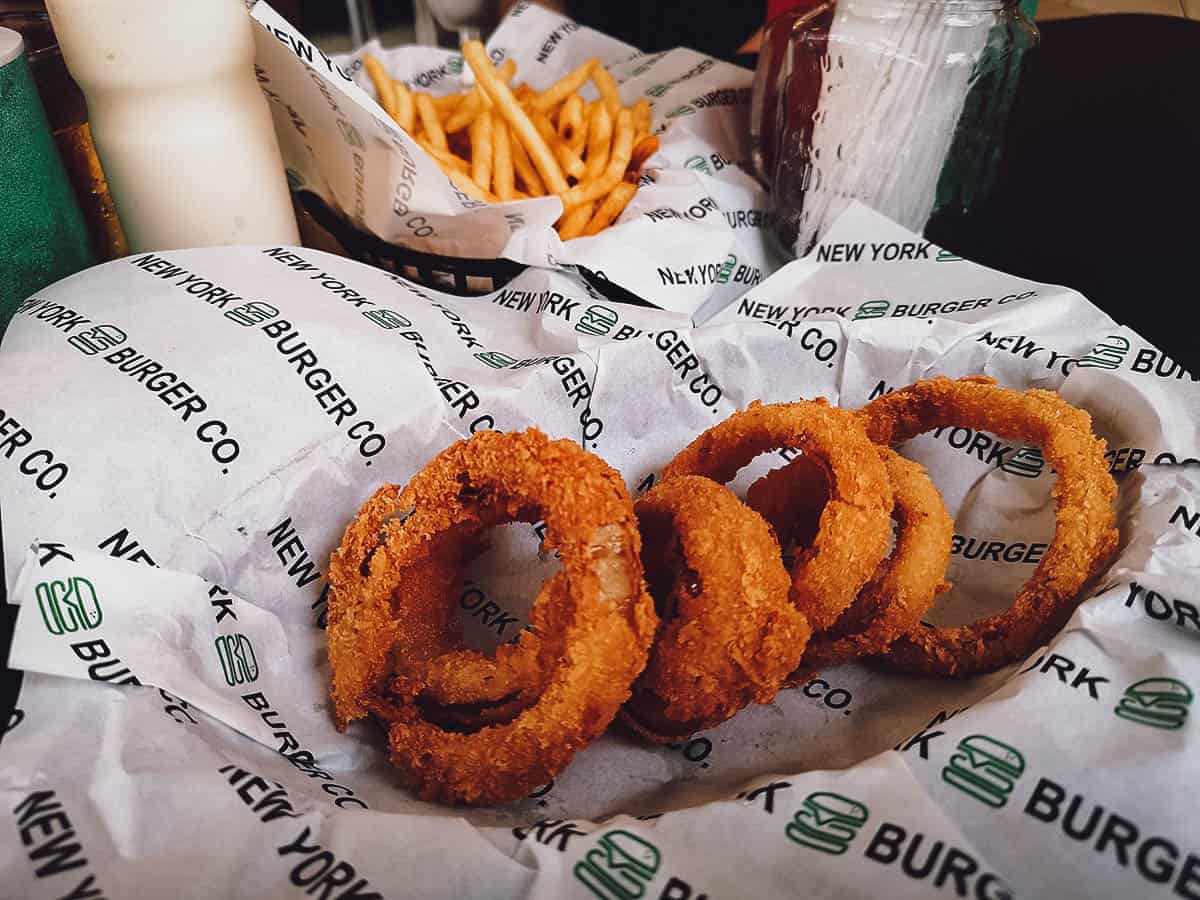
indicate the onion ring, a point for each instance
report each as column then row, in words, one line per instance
column 905, row 584
column 855, row 525
column 732, row 636
column 589, row 518
column 1085, row 534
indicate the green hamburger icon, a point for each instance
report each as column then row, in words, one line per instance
column 1157, row 702
column 872, row 309
column 827, row 822
column 597, row 320
column 984, row 768
column 238, row 662
column 620, row 867
column 1027, row 462
column 1107, row 354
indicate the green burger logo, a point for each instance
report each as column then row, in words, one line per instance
column 454, row 65
column 686, row 110
column 697, row 164
column 386, row 318
column 1157, row 702
column 495, row 359
column 597, row 320
column 871, row 309
column 252, row 313
column 620, row 867
column 1107, row 354
column 726, row 270
column 68, row 606
column 1025, row 463
column 238, row 663
column 984, row 768
column 351, row 135
column 827, row 822
column 97, row 339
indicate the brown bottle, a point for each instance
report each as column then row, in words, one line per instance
column 67, row 112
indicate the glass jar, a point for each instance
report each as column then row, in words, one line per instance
column 901, row 105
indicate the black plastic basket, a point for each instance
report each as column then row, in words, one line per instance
column 454, row 275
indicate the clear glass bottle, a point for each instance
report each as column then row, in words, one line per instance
column 902, row 105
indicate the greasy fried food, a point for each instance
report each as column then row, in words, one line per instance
column 905, row 584
column 855, row 524
column 553, row 142
column 791, row 499
column 1085, row 534
column 608, row 623
column 729, row 635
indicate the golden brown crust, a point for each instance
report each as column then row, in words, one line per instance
column 731, row 636
column 1085, row 522
column 906, row 583
column 791, row 498
column 855, row 525
column 590, row 522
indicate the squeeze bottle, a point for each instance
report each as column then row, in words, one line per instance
column 181, row 128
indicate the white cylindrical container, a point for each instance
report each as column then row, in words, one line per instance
column 180, row 125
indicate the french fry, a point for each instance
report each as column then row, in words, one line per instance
column 607, row 86
column 481, row 150
column 642, row 118
column 564, row 87
column 574, row 220
column 599, row 142
column 465, row 184
column 528, row 174
column 383, row 84
column 502, row 159
column 645, row 148
column 430, row 123
column 614, row 172
column 570, row 117
column 447, row 103
column 445, row 158
column 467, row 110
column 578, row 141
column 570, row 161
column 406, row 109
column 485, row 74
column 612, row 207
column 494, row 149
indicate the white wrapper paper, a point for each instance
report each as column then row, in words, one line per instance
column 184, row 437
column 694, row 231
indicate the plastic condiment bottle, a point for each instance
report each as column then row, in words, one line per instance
column 180, row 125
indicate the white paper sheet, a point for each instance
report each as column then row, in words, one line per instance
column 694, row 232
column 222, row 774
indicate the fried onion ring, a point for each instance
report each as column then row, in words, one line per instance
column 905, row 584
column 729, row 635
column 1085, row 533
column 472, row 485
column 855, row 525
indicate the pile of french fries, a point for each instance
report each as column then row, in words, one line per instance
column 497, row 143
